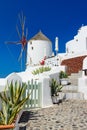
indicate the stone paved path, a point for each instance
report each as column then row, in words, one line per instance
column 68, row 115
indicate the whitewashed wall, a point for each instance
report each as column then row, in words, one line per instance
column 46, row 92
column 82, row 82
column 37, row 50
column 79, row 43
column 82, row 86
column 43, row 78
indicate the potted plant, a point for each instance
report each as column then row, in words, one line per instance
column 56, row 89
column 63, row 76
column 12, row 102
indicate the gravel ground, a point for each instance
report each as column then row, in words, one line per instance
column 68, row 115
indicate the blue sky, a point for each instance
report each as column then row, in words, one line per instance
column 60, row 18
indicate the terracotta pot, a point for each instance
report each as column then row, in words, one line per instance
column 7, row 127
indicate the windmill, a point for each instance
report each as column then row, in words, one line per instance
column 22, row 34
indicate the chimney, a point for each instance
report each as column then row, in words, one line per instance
column 56, row 45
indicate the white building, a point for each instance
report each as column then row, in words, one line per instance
column 38, row 47
column 79, row 43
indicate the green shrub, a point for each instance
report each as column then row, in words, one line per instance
column 63, row 74
column 41, row 70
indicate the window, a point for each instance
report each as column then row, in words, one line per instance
column 30, row 43
column 77, row 40
column 32, row 47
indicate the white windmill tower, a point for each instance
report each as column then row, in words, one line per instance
column 38, row 47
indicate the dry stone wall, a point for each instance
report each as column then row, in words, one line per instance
column 74, row 65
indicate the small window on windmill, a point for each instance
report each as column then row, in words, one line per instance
column 77, row 40
column 30, row 43
column 32, row 47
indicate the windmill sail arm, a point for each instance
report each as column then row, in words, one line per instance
column 20, row 56
column 18, row 32
column 26, row 32
column 22, row 22
column 23, row 26
column 13, row 42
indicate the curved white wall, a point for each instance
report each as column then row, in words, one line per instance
column 70, row 46
column 85, row 63
column 37, row 50
column 79, row 43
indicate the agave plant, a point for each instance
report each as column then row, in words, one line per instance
column 55, row 87
column 12, row 102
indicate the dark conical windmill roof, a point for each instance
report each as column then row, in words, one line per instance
column 40, row 36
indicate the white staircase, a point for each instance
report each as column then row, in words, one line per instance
column 71, row 92
column 74, row 78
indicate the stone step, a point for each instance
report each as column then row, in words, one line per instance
column 71, row 92
column 72, row 95
column 79, row 74
column 73, row 80
column 74, row 77
column 70, row 87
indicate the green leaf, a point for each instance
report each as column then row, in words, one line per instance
column 12, row 102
